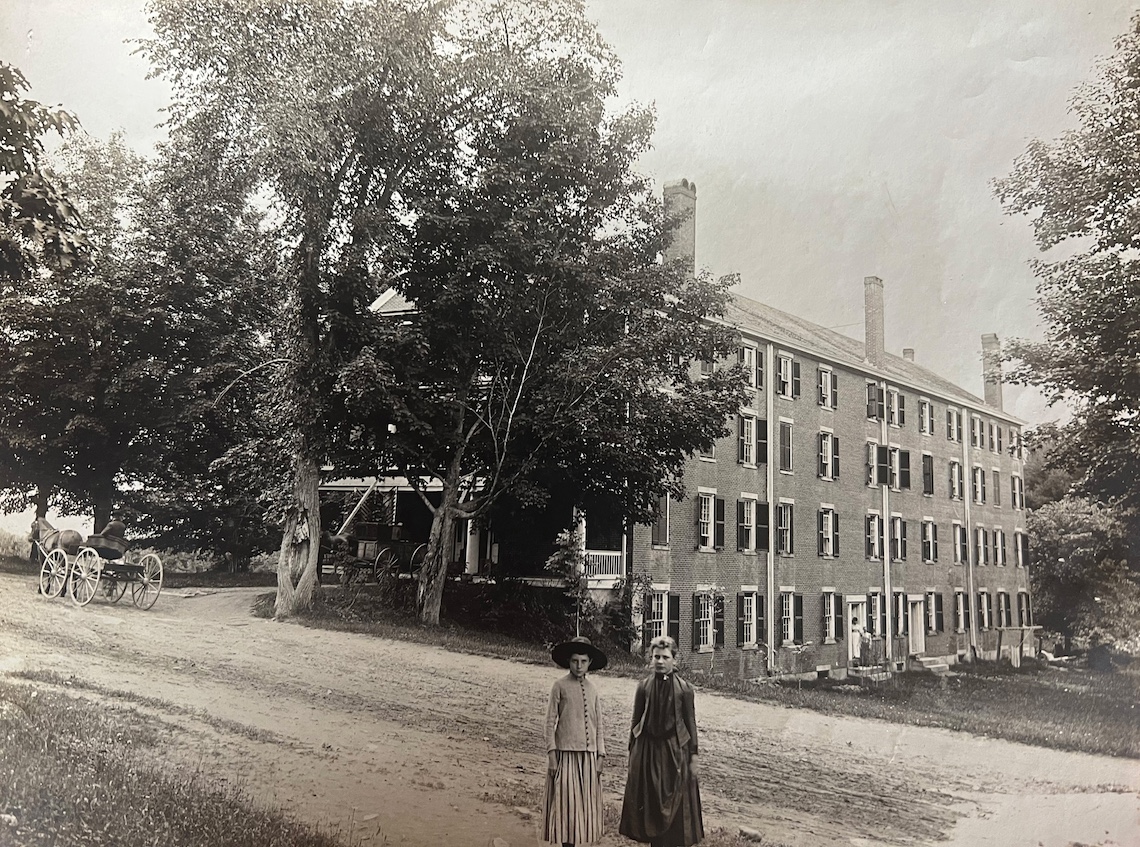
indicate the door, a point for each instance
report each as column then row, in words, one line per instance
column 856, row 611
column 917, row 635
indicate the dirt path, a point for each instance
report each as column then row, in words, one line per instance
column 419, row 746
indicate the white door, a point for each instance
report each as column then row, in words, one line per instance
column 917, row 625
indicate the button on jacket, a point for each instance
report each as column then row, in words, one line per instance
column 574, row 718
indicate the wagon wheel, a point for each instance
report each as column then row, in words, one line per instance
column 53, row 573
column 85, row 573
column 114, row 587
column 418, row 557
column 148, row 582
column 385, row 560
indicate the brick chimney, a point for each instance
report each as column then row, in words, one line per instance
column 873, row 336
column 991, row 369
column 908, row 354
column 680, row 197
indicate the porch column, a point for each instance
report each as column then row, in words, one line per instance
column 471, row 553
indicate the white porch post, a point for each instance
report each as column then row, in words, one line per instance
column 471, row 554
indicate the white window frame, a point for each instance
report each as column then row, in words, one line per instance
column 829, row 623
column 957, row 481
column 985, row 608
column 751, row 638
column 655, row 621
column 749, row 524
column 830, row 528
column 893, row 407
column 999, row 547
column 748, row 355
column 823, row 386
column 898, row 553
column 749, row 447
column 789, row 423
column 931, row 612
column 787, row 616
column 928, row 551
column 704, row 621
column 1018, row 548
column 977, row 432
column 955, row 424
column 925, row 416
column 784, row 376
column 785, row 515
column 981, row 546
column 978, row 484
column 877, row 539
column 826, row 452
column 705, row 520
column 957, row 530
column 961, row 606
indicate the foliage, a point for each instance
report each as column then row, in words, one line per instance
column 39, row 227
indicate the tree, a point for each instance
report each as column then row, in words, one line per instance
column 1080, row 192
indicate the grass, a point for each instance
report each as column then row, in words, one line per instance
column 73, row 776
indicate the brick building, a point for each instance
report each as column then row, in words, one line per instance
column 855, row 485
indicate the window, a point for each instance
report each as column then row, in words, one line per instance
column 785, row 446
column 961, row 545
column 708, row 621
column 961, row 611
column 791, row 618
column 898, row 539
column 1004, row 614
column 654, row 622
column 785, row 534
column 985, row 609
column 899, row 468
column 981, row 546
column 1023, row 616
column 746, row 440
column 1021, row 548
column 998, row 448
column 747, row 631
column 927, row 474
column 710, row 521
column 999, row 547
column 828, row 532
column 1016, row 493
column 1015, row 443
column 748, row 360
column 896, row 408
column 746, row 524
column 955, row 480
column 926, row 417
column 760, row 537
column 707, row 367
column 878, row 464
column 876, row 402
column 977, row 432
column 708, row 454
column 900, row 614
column 877, row 614
column 929, row 541
column 993, row 438
column 979, row 485
column 997, row 486
column 787, row 377
column 953, row 425
column 832, row 617
column 828, row 456
column 828, row 388
column 873, row 534
column 933, row 609
column 661, row 524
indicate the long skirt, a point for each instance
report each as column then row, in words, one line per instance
column 662, row 804
column 572, row 803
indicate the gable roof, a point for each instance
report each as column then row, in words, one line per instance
column 753, row 317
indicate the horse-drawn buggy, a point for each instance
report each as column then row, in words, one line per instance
column 101, row 562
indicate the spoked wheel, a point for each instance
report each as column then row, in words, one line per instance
column 53, row 573
column 114, row 588
column 385, row 560
column 148, row 582
column 85, row 573
column 418, row 557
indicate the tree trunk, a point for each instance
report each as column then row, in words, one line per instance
column 433, row 574
column 102, row 501
column 43, row 492
column 297, row 561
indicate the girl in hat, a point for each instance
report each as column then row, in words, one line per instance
column 575, row 748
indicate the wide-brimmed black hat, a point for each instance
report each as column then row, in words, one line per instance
column 580, row 645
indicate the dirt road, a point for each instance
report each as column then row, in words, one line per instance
column 424, row 747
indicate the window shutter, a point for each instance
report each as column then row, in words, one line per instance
column 759, row 368
column 837, row 616
column 761, row 441
column 872, row 405
column 927, row 474
column 902, row 410
column 718, row 620
column 821, row 441
column 904, row 469
column 696, row 622
column 870, row 463
column 949, row 425
column 739, row 619
column 985, row 546
column 905, row 603
column 740, row 526
column 835, row 533
column 934, row 541
column 834, row 390
column 822, row 384
column 791, row 527
column 778, row 620
column 718, row 540
column 674, row 620
column 867, row 529
column 951, row 476
column 798, row 607
column 883, row 460
column 795, row 379
column 819, row 531
column 835, row 457
column 902, row 541
column 939, row 625
column 982, row 478
column 761, row 630
column 741, row 423
column 761, row 526
column 872, row 621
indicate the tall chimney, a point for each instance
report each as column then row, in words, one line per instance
column 908, row 354
column 991, row 369
column 873, row 335
column 680, row 199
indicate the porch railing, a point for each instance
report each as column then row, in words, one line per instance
column 603, row 563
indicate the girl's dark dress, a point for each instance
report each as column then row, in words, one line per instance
column 662, row 803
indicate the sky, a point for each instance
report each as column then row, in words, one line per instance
column 829, row 141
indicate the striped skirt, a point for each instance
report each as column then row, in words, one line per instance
column 572, row 804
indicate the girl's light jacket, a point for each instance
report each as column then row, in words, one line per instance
column 574, row 717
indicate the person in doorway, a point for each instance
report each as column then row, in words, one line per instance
column 575, row 748
column 662, row 805
column 862, row 638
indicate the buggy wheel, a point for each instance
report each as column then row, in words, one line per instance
column 114, row 588
column 53, row 573
column 386, row 559
column 418, row 557
column 148, row 581
column 85, row 573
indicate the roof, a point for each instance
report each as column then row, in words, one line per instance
column 752, row 316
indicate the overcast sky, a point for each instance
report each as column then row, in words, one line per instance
column 828, row 140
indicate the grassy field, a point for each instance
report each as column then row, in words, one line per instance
column 76, row 774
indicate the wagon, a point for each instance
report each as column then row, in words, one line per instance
column 103, row 562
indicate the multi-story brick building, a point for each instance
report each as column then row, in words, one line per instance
column 855, row 485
